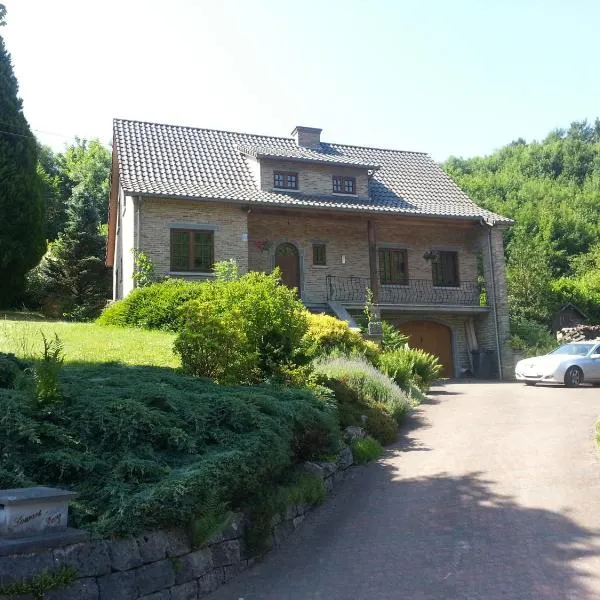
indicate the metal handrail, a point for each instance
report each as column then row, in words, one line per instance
column 414, row 291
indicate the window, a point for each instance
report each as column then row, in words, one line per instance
column 344, row 185
column 445, row 270
column 393, row 266
column 319, row 256
column 285, row 180
column 192, row 250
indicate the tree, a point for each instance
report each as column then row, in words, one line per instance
column 55, row 191
column 73, row 276
column 22, row 218
column 86, row 165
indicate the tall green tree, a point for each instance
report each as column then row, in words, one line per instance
column 552, row 190
column 72, row 276
column 22, row 219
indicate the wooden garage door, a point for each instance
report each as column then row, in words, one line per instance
column 433, row 338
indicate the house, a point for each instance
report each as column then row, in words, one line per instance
column 336, row 219
column 567, row 316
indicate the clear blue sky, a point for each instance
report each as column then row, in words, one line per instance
column 458, row 77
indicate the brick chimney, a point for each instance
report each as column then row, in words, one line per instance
column 307, row 137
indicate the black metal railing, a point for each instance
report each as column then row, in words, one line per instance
column 353, row 290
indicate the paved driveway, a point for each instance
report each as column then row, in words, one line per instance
column 493, row 492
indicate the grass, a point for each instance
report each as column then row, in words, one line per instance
column 21, row 334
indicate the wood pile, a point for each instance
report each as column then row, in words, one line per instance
column 578, row 334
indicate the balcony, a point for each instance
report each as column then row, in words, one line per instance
column 422, row 292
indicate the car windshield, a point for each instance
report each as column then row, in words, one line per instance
column 574, row 349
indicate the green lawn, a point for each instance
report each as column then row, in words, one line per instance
column 21, row 334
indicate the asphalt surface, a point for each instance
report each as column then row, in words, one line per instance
column 493, row 492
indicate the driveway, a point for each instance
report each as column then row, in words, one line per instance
column 493, row 492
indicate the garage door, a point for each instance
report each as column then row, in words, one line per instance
column 433, row 338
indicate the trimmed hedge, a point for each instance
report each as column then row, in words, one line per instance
column 155, row 306
column 146, row 448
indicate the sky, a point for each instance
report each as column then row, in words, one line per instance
column 448, row 77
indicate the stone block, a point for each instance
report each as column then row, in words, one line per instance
column 82, row 589
column 185, row 591
column 282, row 531
column 124, row 555
column 226, row 553
column 193, row 565
column 329, row 468
column 153, row 546
column 210, row 582
column 345, row 458
column 118, row 586
column 297, row 521
column 164, row 595
column 311, row 468
column 24, row 566
column 90, row 559
column 328, row 483
column 234, row 531
column 33, row 511
column 178, row 542
column 352, row 433
column 154, row 577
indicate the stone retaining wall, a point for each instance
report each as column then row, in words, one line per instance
column 159, row 565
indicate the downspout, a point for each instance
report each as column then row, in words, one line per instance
column 136, row 237
column 494, row 301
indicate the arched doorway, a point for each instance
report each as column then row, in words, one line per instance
column 434, row 338
column 288, row 260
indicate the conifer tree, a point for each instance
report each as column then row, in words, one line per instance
column 22, row 221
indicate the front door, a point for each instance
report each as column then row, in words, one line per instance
column 288, row 260
column 433, row 338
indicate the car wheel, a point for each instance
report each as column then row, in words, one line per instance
column 573, row 377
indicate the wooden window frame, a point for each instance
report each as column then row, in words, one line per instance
column 437, row 273
column 285, row 175
column 191, row 251
column 382, row 275
column 342, row 185
column 316, row 259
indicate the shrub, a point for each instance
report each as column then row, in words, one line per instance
column 366, row 450
column 10, row 368
column 155, row 306
column 408, row 366
column 215, row 345
column 145, row 447
column 326, row 335
column 270, row 319
column 392, row 338
column 530, row 338
column 362, row 391
column 47, row 370
column 398, row 365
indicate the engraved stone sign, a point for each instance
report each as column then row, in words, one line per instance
column 27, row 512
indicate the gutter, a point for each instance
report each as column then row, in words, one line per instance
column 319, row 205
column 489, row 227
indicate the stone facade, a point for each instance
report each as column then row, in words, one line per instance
column 251, row 237
column 228, row 221
column 345, row 239
column 312, row 178
column 160, row 565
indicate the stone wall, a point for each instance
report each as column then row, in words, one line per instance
column 159, row 565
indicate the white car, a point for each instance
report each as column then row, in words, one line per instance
column 571, row 364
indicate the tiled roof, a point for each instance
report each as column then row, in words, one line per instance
column 175, row 161
column 324, row 154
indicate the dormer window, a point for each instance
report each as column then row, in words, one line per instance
column 285, row 180
column 344, row 185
